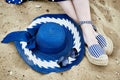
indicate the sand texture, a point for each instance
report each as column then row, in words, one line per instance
column 105, row 15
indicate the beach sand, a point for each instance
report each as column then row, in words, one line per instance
column 105, row 15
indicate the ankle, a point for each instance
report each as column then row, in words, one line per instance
column 90, row 41
column 96, row 33
column 85, row 22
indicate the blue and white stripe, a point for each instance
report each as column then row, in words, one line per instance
column 101, row 40
column 96, row 50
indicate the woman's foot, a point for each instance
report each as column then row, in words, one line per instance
column 104, row 41
column 95, row 53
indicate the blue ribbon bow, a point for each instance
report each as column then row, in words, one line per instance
column 27, row 36
column 64, row 60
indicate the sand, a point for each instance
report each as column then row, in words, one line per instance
column 105, row 15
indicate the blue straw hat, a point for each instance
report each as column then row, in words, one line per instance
column 51, row 43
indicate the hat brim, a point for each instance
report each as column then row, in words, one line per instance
column 45, row 63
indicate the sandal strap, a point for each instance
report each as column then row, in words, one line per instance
column 88, row 22
column 85, row 22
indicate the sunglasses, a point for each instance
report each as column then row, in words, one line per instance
column 64, row 60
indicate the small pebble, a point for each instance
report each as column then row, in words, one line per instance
column 10, row 72
column 38, row 6
column 111, row 32
column 98, row 76
column 1, row 13
column 117, row 61
column 117, row 73
column 47, row 10
column 23, row 75
column 99, row 18
column 61, row 73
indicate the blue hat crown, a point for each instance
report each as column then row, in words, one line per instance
column 51, row 38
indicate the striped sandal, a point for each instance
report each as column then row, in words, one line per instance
column 104, row 41
column 96, row 55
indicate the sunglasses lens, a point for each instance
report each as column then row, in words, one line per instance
column 63, row 61
column 73, row 53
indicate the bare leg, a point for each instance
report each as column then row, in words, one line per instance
column 82, row 9
column 79, row 10
column 69, row 9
